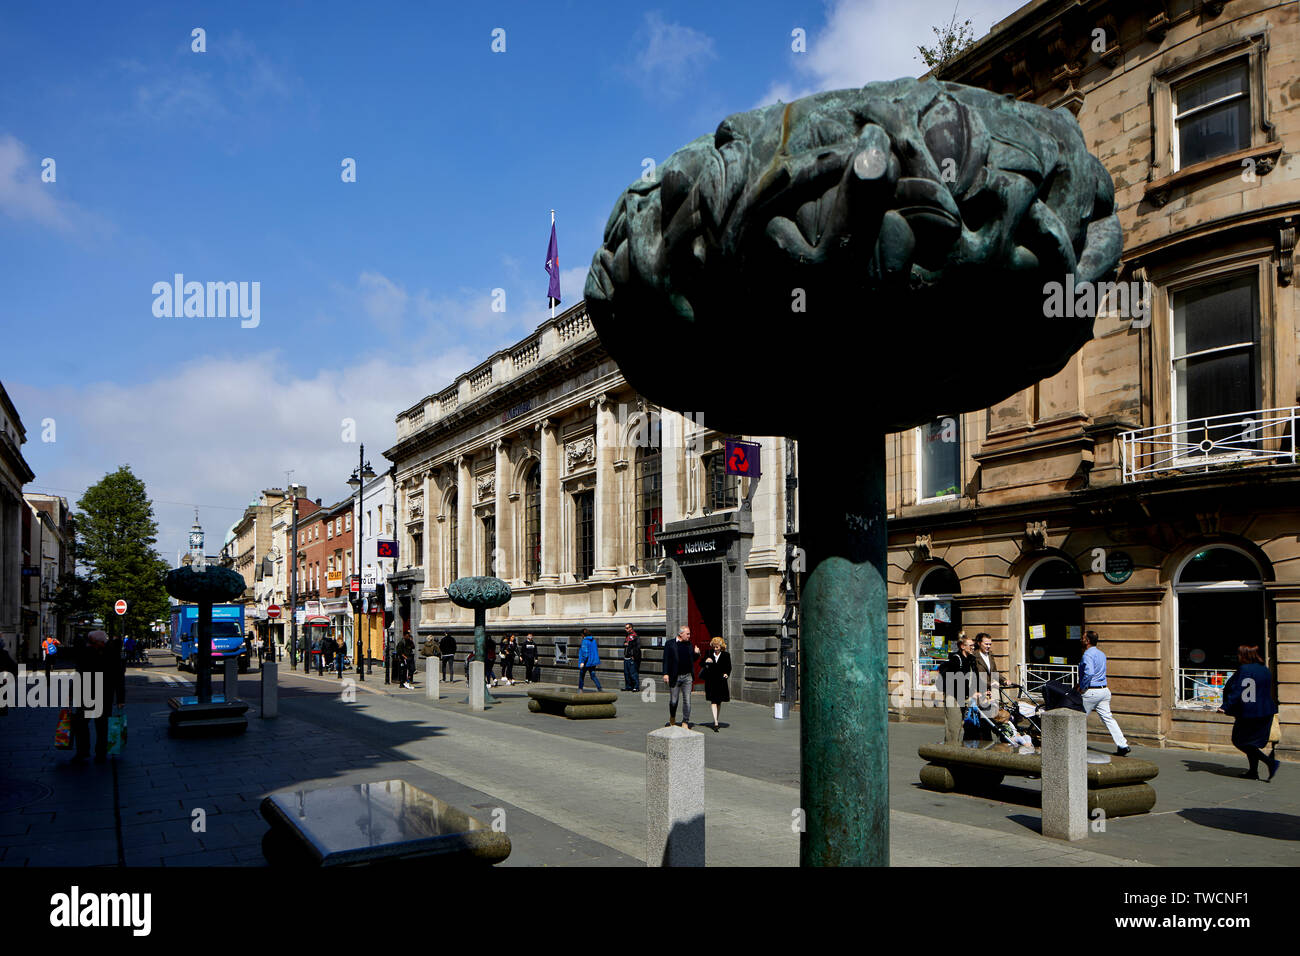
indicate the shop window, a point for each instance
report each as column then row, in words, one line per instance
column 1211, row 114
column 1219, row 595
column 939, row 458
column 453, row 540
column 1216, row 366
column 585, row 534
column 938, row 622
column 649, row 504
column 490, row 546
column 1053, row 624
column 721, row 490
column 533, row 524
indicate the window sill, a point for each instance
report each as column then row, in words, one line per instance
column 1264, row 158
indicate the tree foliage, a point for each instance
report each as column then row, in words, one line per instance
column 116, row 558
column 953, row 38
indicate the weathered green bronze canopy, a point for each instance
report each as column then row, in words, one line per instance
column 214, row 584
column 888, row 245
column 478, row 592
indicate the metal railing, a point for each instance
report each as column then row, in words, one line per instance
column 1034, row 676
column 1201, row 689
column 1203, row 443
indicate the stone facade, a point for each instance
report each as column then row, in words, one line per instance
column 14, row 473
column 1111, row 496
column 543, row 467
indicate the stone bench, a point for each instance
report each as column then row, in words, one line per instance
column 1118, row 788
column 574, row 704
column 389, row 822
column 190, row 718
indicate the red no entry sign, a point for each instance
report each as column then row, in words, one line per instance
column 273, row 611
column 120, row 607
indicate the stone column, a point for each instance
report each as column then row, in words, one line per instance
column 432, row 677
column 551, row 504
column 506, row 564
column 426, row 543
column 606, row 500
column 674, row 784
column 477, row 688
column 670, row 437
column 464, row 518
column 1065, row 774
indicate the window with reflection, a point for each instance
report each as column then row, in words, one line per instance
column 533, row 524
column 1212, row 114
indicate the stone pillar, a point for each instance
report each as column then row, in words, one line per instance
column 270, row 689
column 464, row 519
column 671, row 427
column 607, row 525
column 551, row 504
column 505, row 565
column 674, row 784
column 230, row 687
column 1065, row 774
column 426, row 542
column 432, row 676
column 477, row 687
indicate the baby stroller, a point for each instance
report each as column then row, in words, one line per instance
column 1012, row 719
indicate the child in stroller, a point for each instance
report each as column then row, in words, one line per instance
column 1011, row 719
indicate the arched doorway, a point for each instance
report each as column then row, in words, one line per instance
column 938, row 622
column 1053, row 616
column 1218, row 605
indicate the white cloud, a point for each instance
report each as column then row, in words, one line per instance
column 864, row 41
column 669, row 57
column 25, row 197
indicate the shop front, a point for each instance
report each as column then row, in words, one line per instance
column 707, row 589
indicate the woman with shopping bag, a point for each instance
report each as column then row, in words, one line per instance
column 1248, row 697
column 98, row 656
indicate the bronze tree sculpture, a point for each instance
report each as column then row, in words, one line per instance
column 850, row 264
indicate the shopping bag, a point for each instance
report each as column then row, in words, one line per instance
column 116, row 732
column 1275, row 733
column 63, row 730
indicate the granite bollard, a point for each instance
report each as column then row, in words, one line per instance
column 477, row 688
column 674, row 784
column 432, row 677
column 270, row 689
column 1065, row 774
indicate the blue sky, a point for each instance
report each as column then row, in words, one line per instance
column 225, row 165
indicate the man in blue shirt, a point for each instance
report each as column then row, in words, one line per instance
column 1096, row 693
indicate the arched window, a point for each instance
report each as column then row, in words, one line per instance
column 533, row 524
column 453, row 539
column 938, row 622
column 649, row 501
column 1219, row 597
column 1053, row 623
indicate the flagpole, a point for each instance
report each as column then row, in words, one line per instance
column 552, row 228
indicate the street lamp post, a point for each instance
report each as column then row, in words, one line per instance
column 357, row 482
column 293, row 589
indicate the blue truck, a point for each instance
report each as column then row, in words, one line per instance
column 227, row 635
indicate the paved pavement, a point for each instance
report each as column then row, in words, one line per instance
column 573, row 792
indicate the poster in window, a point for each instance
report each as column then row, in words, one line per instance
column 940, row 645
column 1037, row 632
column 943, row 612
column 1074, row 632
column 1056, row 660
column 927, row 620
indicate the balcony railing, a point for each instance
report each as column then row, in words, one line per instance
column 1200, row 689
column 1034, row 676
column 1214, row 442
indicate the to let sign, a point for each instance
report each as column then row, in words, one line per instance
column 742, row 458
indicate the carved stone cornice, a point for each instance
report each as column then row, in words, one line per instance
column 1286, row 237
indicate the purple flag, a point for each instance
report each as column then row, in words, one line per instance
column 553, row 269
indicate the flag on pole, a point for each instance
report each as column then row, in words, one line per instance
column 553, row 269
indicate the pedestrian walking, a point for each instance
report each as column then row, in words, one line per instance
column 715, row 669
column 447, row 650
column 328, row 646
column 588, row 659
column 258, row 647
column 1248, row 699
column 508, row 651
column 406, row 660
column 957, row 676
column 679, row 675
column 340, row 657
column 490, row 663
column 1094, row 687
column 97, row 655
column 528, row 653
column 631, row 659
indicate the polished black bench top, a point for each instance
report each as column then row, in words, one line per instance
column 387, row 820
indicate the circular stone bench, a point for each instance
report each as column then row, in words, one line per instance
column 574, row 704
column 1118, row 788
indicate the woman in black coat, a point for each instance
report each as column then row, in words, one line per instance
column 1248, row 696
column 715, row 668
